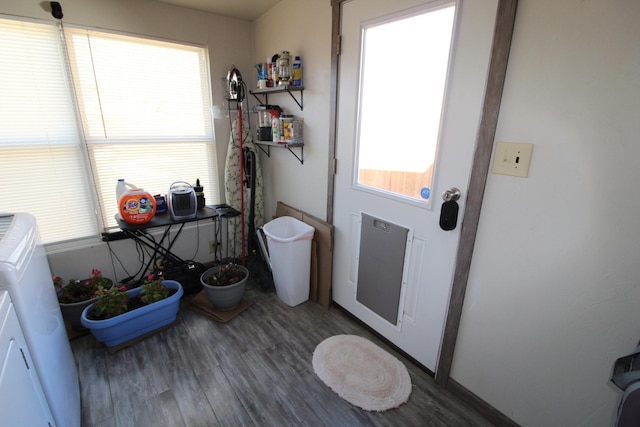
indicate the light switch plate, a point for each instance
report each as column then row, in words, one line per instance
column 512, row 158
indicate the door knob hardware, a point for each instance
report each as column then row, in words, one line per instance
column 451, row 195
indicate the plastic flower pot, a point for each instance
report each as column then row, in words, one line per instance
column 225, row 297
column 133, row 324
column 72, row 311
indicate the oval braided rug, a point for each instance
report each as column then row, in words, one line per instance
column 362, row 373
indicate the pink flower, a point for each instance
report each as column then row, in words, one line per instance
column 151, row 276
column 123, row 288
column 95, row 271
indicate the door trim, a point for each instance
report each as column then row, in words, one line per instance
column 503, row 32
column 502, row 35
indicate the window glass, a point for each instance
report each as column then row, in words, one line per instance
column 129, row 108
column 403, row 76
column 145, row 112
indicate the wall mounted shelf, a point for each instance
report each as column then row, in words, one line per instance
column 289, row 147
column 262, row 96
column 264, row 93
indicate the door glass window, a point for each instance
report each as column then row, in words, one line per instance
column 403, row 77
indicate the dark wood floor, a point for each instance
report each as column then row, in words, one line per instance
column 253, row 371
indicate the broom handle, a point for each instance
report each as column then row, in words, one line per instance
column 240, row 137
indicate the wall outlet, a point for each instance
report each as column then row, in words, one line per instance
column 512, row 158
column 214, row 246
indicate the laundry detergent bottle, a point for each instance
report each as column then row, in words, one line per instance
column 135, row 205
column 121, row 187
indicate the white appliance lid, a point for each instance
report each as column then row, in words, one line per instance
column 19, row 234
column 5, row 222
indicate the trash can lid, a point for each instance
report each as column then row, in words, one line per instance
column 288, row 229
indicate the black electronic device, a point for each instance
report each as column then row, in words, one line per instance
column 56, row 10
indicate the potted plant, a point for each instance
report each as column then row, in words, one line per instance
column 76, row 295
column 224, row 285
column 122, row 314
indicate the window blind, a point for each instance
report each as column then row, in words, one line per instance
column 131, row 108
column 42, row 167
column 145, row 112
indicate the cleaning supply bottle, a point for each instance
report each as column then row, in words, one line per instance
column 296, row 79
column 199, row 190
column 136, row 206
column 121, row 187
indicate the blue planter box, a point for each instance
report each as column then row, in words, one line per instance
column 132, row 324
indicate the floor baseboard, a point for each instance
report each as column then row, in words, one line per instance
column 487, row 411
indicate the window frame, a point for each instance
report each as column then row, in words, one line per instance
column 207, row 141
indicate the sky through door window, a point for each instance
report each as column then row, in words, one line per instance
column 403, row 76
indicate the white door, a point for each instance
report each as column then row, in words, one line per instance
column 412, row 77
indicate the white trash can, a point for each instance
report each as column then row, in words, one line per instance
column 289, row 243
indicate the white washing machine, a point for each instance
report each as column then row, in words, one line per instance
column 22, row 400
column 26, row 277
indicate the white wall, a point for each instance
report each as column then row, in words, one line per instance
column 303, row 27
column 554, row 292
column 229, row 42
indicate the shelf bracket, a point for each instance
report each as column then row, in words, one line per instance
column 267, row 150
column 261, row 147
column 301, row 157
column 266, row 100
column 301, row 103
column 265, row 93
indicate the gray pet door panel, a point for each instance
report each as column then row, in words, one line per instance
column 380, row 267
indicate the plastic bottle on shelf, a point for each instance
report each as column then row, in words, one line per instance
column 121, row 187
column 199, row 190
column 275, row 128
column 296, row 79
column 269, row 72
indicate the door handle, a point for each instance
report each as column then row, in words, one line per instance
column 452, row 194
column 449, row 209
